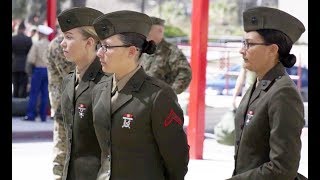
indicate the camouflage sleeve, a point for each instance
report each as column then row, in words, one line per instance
column 59, row 149
column 31, row 58
column 32, row 54
column 179, row 63
column 58, row 67
column 55, row 77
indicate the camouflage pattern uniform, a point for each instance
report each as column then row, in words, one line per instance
column 169, row 64
column 58, row 67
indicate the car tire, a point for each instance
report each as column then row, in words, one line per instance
column 19, row 106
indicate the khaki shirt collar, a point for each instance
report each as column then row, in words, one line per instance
column 79, row 74
column 122, row 82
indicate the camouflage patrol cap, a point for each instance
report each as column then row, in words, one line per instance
column 77, row 17
column 120, row 22
column 157, row 21
column 270, row 18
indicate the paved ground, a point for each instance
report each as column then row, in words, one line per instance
column 32, row 160
column 22, row 130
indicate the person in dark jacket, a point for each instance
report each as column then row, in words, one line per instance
column 138, row 120
column 270, row 117
column 82, row 156
column 21, row 45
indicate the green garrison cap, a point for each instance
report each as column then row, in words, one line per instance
column 122, row 21
column 157, row 21
column 270, row 18
column 77, row 17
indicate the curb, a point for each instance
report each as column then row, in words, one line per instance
column 26, row 135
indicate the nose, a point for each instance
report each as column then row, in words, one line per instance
column 100, row 53
column 63, row 44
column 242, row 50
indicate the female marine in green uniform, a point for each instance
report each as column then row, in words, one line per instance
column 270, row 117
column 139, row 119
column 79, row 46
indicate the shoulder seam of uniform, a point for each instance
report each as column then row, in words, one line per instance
column 153, row 81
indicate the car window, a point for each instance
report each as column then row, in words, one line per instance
column 293, row 72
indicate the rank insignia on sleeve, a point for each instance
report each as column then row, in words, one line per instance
column 172, row 116
column 82, row 108
column 127, row 118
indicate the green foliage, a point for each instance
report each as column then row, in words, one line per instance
column 172, row 31
column 223, row 18
column 174, row 14
column 19, row 10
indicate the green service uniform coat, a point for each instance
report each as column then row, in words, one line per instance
column 268, row 125
column 83, row 151
column 142, row 137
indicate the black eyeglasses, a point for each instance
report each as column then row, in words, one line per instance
column 246, row 45
column 106, row 47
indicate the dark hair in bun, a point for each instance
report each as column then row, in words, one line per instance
column 139, row 41
column 149, row 47
column 289, row 61
column 284, row 43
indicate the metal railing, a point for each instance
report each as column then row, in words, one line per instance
column 222, row 56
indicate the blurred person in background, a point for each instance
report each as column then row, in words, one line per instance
column 21, row 45
column 245, row 79
column 168, row 63
column 270, row 116
column 33, row 34
column 36, row 68
column 13, row 25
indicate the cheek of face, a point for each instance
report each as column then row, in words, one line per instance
column 77, row 50
column 155, row 33
column 109, row 61
column 74, row 46
column 252, row 60
column 113, row 60
column 258, row 60
column 150, row 35
column 252, row 56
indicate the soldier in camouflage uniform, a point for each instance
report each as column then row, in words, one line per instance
column 58, row 67
column 168, row 63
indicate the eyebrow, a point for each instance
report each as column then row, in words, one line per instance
column 103, row 42
column 68, row 33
